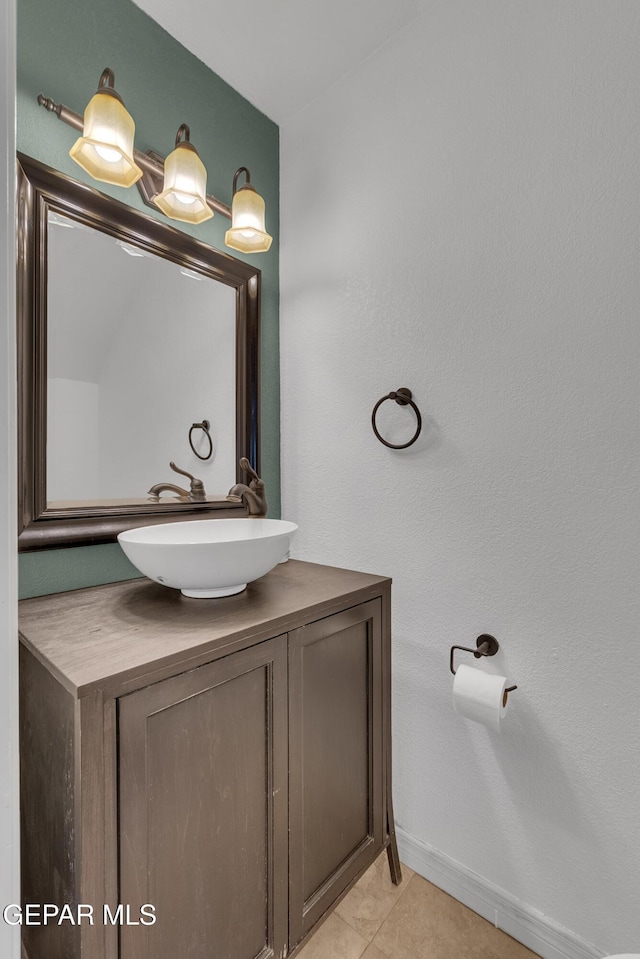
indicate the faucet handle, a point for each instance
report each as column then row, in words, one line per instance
column 253, row 495
column 248, row 468
column 176, row 469
column 198, row 494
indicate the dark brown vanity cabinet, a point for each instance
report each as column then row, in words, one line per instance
column 225, row 762
column 203, row 808
column 335, row 756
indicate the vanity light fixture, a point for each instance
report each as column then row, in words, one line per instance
column 176, row 186
column 247, row 232
column 185, row 183
column 105, row 149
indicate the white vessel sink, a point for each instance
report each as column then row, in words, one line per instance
column 211, row 557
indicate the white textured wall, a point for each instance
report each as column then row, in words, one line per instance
column 168, row 370
column 9, row 830
column 73, row 411
column 461, row 216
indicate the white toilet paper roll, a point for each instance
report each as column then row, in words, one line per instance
column 480, row 696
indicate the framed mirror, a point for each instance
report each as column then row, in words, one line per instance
column 132, row 337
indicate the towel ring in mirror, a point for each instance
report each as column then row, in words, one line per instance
column 205, row 427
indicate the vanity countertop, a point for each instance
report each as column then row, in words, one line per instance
column 122, row 636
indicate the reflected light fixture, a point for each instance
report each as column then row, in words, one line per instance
column 184, row 196
column 105, row 149
column 56, row 220
column 191, row 274
column 175, row 186
column 130, row 248
column 247, row 232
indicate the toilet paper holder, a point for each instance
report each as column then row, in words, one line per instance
column 486, row 645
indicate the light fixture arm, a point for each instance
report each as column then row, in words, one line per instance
column 106, row 84
column 107, row 79
column 183, row 135
column 247, row 185
column 153, row 164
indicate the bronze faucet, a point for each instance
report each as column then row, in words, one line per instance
column 253, row 496
column 195, row 494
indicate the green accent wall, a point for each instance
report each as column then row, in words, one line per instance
column 63, row 47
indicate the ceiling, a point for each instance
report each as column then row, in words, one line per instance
column 281, row 54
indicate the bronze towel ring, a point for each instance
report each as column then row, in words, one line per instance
column 204, row 426
column 402, row 398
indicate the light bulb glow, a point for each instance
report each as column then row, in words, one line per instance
column 247, row 233
column 108, row 153
column 184, row 196
column 105, row 149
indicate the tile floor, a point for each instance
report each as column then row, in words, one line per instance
column 415, row 920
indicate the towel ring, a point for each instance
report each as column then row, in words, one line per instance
column 402, row 398
column 204, row 426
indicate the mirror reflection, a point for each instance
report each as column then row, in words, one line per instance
column 129, row 332
column 139, row 349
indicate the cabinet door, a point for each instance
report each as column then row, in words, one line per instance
column 203, row 810
column 335, row 755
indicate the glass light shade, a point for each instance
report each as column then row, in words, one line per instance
column 105, row 150
column 185, row 186
column 247, row 232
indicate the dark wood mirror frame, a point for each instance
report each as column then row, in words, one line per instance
column 41, row 189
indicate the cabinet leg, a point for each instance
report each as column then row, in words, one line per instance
column 392, row 845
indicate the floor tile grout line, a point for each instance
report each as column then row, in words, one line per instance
column 405, row 883
column 393, row 931
column 359, row 931
column 388, row 918
column 379, row 948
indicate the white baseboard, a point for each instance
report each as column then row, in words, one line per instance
column 529, row 926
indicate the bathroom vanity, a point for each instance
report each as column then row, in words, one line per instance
column 226, row 762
